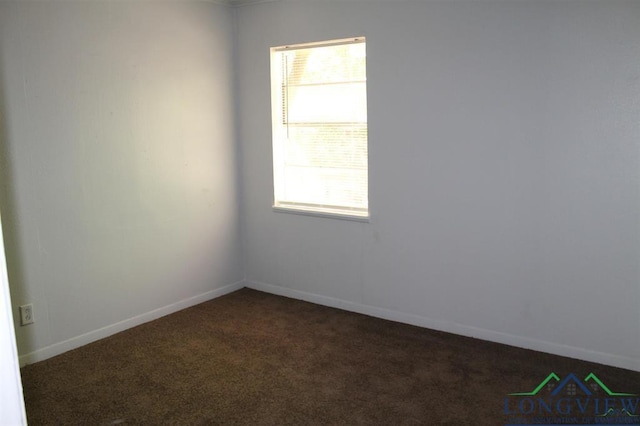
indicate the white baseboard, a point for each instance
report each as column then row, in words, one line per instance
column 101, row 333
column 420, row 321
column 451, row 327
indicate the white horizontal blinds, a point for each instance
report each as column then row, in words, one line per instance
column 323, row 152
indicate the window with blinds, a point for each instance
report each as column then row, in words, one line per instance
column 319, row 108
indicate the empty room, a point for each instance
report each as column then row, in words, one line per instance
column 358, row 212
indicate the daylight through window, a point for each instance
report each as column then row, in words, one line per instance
column 319, row 109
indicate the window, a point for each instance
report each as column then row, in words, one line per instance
column 319, row 112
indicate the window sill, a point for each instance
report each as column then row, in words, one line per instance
column 327, row 215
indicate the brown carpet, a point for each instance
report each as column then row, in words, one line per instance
column 251, row 358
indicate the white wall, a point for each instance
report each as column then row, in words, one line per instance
column 504, row 141
column 504, row 154
column 119, row 170
column 11, row 403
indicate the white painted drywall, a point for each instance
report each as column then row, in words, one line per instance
column 11, row 403
column 504, row 141
column 503, row 157
column 120, row 199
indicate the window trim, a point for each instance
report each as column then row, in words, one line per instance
column 308, row 209
column 326, row 215
column 328, row 43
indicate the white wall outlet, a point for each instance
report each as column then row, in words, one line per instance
column 26, row 314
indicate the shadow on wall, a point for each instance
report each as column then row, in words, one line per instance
column 8, row 208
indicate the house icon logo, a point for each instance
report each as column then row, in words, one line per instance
column 571, row 400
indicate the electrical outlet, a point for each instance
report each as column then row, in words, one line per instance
column 26, row 314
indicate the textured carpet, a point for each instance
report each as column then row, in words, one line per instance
column 251, row 358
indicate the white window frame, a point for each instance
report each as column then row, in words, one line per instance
column 292, row 206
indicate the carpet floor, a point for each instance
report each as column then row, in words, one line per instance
column 251, row 358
